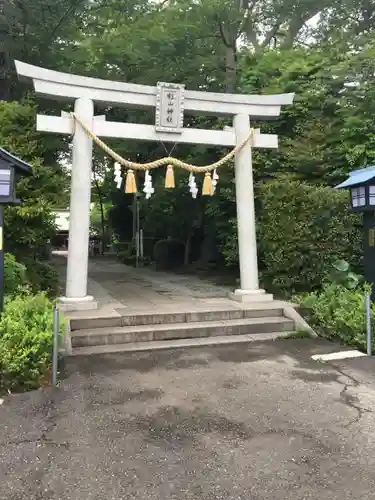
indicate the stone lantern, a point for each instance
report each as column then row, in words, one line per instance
column 10, row 168
column 361, row 184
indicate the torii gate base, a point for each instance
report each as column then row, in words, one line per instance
column 169, row 128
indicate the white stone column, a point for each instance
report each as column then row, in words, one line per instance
column 79, row 221
column 247, row 244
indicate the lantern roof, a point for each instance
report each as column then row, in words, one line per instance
column 15, row 162
column 358, row 177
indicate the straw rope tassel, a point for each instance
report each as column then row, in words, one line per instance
column 169, row 177
column 130, row 185
column 207, row 189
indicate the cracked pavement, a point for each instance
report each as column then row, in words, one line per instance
column 243, row 422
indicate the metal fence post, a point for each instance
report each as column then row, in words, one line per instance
column 368, row 324
column 55, row 348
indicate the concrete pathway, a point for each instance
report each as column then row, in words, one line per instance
column 130, row 286
column 120, row 289
column 255, row 422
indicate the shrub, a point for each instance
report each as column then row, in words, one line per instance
column 14, row 275
column 301, row 229
column 26, row 328
column 341, row 274
column 42, row 276
column 169, row 254
column 338, row 313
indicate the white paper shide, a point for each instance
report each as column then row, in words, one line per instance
column 148, row 189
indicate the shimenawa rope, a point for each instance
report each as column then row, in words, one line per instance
column 168, row 160
column 130, row 184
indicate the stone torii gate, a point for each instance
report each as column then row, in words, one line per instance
column 170, row 101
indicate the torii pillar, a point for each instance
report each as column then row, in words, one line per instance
column 79, row 223
column 247, row 244
column 170, row 102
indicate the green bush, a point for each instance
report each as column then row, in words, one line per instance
column 42, row 276
column 301, row 229
column 26, row 329
column 14, row 275
column 338, row 313
column 341, row 274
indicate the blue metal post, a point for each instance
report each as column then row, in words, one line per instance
column 55, row 350
column 368, row 323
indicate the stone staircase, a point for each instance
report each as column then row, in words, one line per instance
column 137, row 331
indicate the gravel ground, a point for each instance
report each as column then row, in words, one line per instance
column 239, row 422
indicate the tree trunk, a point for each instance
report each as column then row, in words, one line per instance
column 230, row 69
column 102, row 218
column 188, row 247
column 5, row 82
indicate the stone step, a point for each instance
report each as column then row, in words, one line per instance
column 173, row 317
column 177, row 343
column 149, row 333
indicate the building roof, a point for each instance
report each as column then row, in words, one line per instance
column 358, row 177
column 15, row 162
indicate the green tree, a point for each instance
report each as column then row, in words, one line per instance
column 38, row 32
column 310, row 131
column 357, row 106
column 31, row 225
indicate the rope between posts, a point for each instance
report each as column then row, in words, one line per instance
column 169, row 160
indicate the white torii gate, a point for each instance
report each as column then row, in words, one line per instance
column 171, row 101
